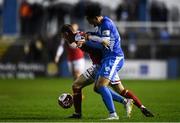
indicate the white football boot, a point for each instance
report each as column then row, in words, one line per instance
column 129, row 107
column 112, row 116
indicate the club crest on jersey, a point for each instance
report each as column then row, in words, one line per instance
column 107, row 68
column 106, row 33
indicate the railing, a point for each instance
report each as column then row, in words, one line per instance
column 148, row 34
column 170, row 26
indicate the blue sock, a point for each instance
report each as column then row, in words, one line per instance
column 107, row 98
column 116, row 97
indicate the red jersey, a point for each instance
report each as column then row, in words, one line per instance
column 74, row 53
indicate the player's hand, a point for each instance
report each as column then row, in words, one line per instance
column 86, row 36
column 106, row 43
column 80, row 43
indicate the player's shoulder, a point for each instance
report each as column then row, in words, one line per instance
column 107, row 21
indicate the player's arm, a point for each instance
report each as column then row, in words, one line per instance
column 104, row 38
column 91, row 45
column 59, row 52
column 92, row 36
column 89, row 38
column 96, row 43
column 80, row 38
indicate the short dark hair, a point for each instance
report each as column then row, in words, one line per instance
column 93, row 10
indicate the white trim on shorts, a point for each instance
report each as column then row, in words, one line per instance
column 117, row 80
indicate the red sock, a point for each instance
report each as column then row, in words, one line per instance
column 128, row 94
column 77, row 98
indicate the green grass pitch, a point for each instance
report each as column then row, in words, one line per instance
column 36, row 100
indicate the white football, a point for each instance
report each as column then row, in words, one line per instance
column 65, row 100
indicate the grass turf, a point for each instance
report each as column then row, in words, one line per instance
column 36, row 100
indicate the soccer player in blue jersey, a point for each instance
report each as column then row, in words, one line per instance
column 113, row 56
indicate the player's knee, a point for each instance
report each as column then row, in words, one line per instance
column 124, row 92
column 118, row 87
column 97, row 86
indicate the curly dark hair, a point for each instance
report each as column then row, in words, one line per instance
column 92, row 10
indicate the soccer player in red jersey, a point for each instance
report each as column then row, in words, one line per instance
column 87, row 77
column 75, row 56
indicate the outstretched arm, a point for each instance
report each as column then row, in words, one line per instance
column 59, row 52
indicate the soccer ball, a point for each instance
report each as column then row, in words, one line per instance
column 65, row 100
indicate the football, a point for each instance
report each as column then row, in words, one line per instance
column 65, row 100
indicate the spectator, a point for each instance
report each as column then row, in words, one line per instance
column 127, row 10
column 25, row 12
column 158, row 11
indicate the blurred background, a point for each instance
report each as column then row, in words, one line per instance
column 29, row 36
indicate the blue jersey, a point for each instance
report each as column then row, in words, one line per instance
column 108, row 30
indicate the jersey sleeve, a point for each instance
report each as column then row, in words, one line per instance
column 94, row 45
column 106, row 30
column 95, row 38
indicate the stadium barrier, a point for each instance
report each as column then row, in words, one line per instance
column 132, row 69
column 144, row 69
column 22, row 70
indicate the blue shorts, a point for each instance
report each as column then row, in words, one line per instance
column 110, row 67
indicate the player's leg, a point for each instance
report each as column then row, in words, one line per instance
column 128, row 103
column 119, row 88
column 106, row 74
column 116, row 97
column 103, row 90
column 82, row 81
column 129, row 94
